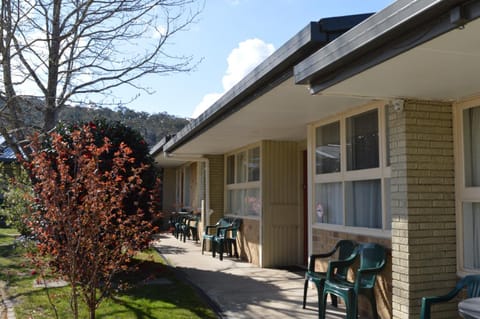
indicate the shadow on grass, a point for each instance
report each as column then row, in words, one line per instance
column 152, row 291
column 6, row 250
column 155, row 289
column 171, row 250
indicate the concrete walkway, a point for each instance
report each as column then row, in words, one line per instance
column 239, row 289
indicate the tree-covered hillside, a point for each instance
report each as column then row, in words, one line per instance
column 152, row 126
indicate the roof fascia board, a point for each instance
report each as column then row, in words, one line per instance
column 396, row 29
column 275, row 64
column 157, row 148
column 274, row 70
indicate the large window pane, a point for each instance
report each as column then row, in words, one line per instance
column 327, row 150
column 244, row 202
column 241, row 161
column 231, row 169
column 471, row 141
column 363, row 203
column 328, row 207
column 243, row 176
column 471, row 235
column 254, row 164
column 253, row 202
column 236, row 202
column 362, row 141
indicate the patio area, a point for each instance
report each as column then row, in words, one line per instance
column 241, row 290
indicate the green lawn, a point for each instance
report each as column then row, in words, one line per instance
column 155, row 291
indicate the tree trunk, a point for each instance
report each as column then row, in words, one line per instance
column 92, row 300
column 74, row 301
column 51, row 117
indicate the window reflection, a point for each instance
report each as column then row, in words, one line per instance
column 362, row 141
column 327, row 151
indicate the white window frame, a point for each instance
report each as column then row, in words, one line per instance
column 382, row 172
column 244, row 185
column 463, row 193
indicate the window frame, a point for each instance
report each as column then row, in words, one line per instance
column 246, row 185
column 463, row 194
column 382, row 172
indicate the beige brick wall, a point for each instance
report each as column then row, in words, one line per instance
column 423, row 212
column 324, row 241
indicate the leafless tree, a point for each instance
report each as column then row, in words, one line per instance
column 55, row 52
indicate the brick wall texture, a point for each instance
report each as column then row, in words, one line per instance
column 423, row 207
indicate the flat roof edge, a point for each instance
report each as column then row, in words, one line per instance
column 302, row 44
column 398, row 17
column 275, row 63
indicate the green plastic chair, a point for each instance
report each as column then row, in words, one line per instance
column 372, row 260
column 471, row 282
column 345, row 248
column 214, row 230
column 189, row 227
column 226, row 237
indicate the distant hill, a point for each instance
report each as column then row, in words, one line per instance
column 153, row 127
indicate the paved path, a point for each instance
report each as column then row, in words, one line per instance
column 242, row 290
column 6, row 306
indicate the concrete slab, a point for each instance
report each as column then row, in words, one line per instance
column 239, row 289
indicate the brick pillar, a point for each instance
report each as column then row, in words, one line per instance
column 423, row 206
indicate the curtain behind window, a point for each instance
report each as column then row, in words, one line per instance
column 363, row 201
column 471, row 235
column 329, row 208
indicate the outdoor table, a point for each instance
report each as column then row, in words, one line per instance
column 469, row 308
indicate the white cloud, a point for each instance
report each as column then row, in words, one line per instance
column 244, row 59
column 159, row 32
column 241, row 61
column 206, row 102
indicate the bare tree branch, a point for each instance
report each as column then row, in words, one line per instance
column 65, row 50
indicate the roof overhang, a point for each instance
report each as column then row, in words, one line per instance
column 420, row 49
column 412, row 49
column 211, row 130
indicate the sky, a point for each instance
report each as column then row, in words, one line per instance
column 230, row 38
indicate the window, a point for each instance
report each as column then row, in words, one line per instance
column 362, row 141
column 254, row 164
column 351, row 185
column 329, row 207
column 363, row 204
column 468, row 188
column 471, row 142
column 231, row 169
column 327, row 150
column 243, row 183
column 471, row 236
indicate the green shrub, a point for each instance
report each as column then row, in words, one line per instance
column 16, row 203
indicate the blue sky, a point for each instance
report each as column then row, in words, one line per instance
column 231, row 37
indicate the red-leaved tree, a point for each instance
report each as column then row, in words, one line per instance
column 81, row 225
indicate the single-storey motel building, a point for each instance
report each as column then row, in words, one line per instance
column 363, row 127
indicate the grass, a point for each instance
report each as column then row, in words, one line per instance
column 154, row 290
